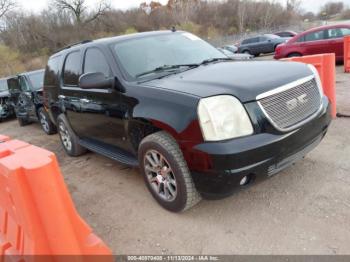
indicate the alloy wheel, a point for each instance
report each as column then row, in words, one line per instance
column 65, row 137
column 160, row 175
column 44, row 122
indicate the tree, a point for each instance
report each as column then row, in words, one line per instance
column 332, row 8
column 5, row 6
column 78, row 9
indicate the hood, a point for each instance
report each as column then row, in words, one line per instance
column 4, row 93
column 244, row 80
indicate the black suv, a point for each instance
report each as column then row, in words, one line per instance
column 195, row 122
column 26, row 92
column 6, row 108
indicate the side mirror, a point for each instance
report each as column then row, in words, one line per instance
column 96, row 81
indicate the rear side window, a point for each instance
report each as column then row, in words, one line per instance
column 315, row 36
column 72, row 69
column 51, row 71
column 95, row 62
column 338, row 32
column 345, row 31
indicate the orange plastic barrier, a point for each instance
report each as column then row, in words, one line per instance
column 347, row 54
column 37, row 214
column 325, row 65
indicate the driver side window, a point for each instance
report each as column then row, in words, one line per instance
column 95, row 62
column 23, row 84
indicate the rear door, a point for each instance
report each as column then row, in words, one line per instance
column 316, row 43
column 336, row 41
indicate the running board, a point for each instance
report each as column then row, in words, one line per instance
column 110, row 152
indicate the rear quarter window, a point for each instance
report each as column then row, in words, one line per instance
column 51, row 72
column 72, row 69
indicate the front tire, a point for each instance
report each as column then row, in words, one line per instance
column 166, row 173
column 45, row 122
column 68, row 139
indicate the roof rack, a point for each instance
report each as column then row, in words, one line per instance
column 74, row 44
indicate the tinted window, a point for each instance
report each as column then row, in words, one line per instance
column 95, row 62
column 3, row 85
column 345, row 31
column 71, row 71
column 338, row 32
column 52, row 71
column 315, row 36
column 36, row 80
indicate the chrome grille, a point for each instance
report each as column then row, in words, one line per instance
column 291, row 107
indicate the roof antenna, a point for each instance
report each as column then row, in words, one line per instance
column 173, row 29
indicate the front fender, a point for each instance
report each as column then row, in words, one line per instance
column 173, row 112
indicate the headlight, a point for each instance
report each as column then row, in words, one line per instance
column 223, row 117
column 317, row 77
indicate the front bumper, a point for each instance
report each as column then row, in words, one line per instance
column 259, row 156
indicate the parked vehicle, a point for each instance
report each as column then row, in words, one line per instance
column 320, row 40
column 6, row 108
column 264, row 44
column 230, row 48
column 286, row 34
column 196, row 123
column 26, row 92
column 234, row 56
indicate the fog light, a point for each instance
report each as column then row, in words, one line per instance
column 244, row 181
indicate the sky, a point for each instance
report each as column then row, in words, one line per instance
column 38, row 5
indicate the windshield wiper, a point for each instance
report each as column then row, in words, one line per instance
column 165, row 68
column 213, row 60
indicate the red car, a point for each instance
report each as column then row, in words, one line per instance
column 320, row 40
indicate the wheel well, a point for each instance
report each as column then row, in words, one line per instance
column 37, row 107
column 296, row 53
column 138, row 129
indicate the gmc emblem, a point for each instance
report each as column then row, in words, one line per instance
column 295, row 102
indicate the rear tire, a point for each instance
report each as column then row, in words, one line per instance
column 45, row 122
column 69, row 140
column 166, row 173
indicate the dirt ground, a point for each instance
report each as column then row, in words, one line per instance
column 303, row 210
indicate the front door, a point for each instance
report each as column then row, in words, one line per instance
column 93, row 113
column 316, row 43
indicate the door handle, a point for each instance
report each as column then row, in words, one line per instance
column 84, row 100
column 61, row 97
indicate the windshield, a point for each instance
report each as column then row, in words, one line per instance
column 141, row 55
column 37, row 80
column 3, row 85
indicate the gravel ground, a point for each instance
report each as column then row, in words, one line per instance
column 303, row 210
